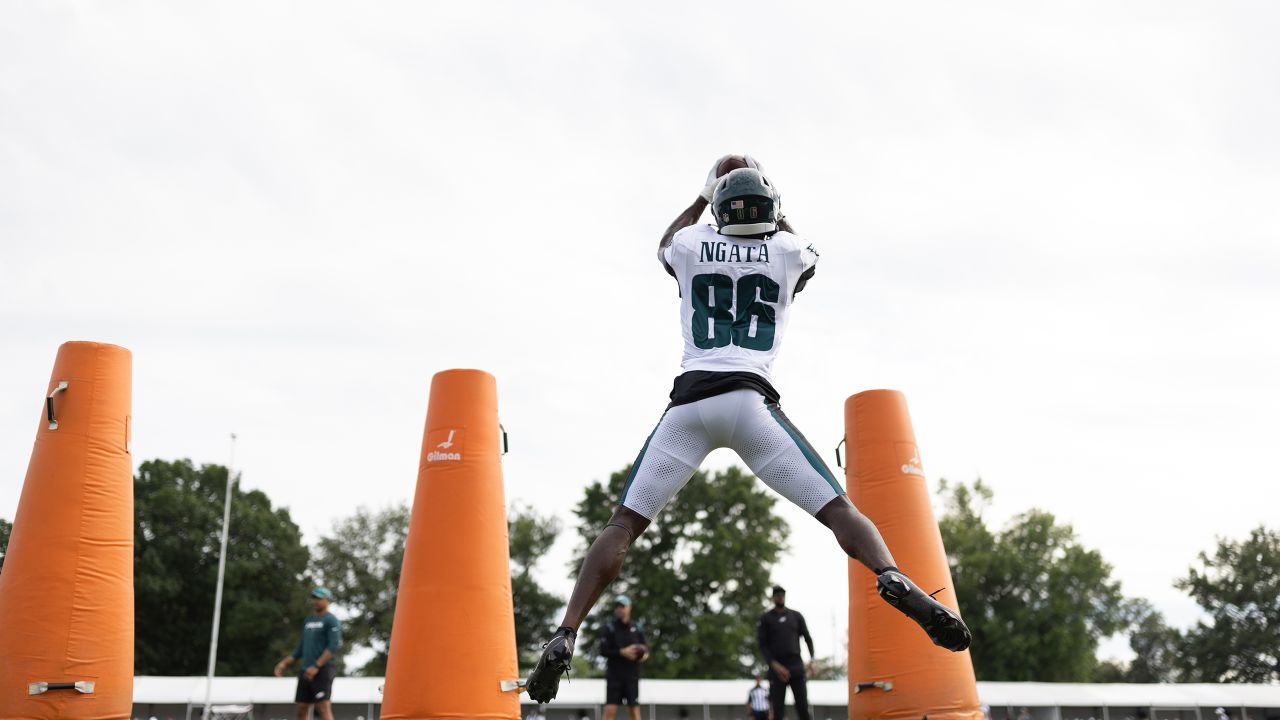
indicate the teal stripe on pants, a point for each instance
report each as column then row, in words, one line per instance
column 805, row 448
column 635, row 466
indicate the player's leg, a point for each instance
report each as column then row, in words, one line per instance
column 303, row 695
column 633, row 697
column 600, row 566
column 603, row 562
column 669, row 457
column 799, row 690
column 777, row 695
column 322, row 691
column 857, row 535
column 612, row 697
column 779, row 454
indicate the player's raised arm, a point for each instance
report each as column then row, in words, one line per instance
column 690, row 215
column 686, row 218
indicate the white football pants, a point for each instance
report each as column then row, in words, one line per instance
column 742, row 420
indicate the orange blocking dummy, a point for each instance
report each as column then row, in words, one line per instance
column 66, row 593
column 894, row 670
column 453, row 638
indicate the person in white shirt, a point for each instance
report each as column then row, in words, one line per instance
column 758, row 702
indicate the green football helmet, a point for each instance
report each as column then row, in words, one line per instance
column 746, row 203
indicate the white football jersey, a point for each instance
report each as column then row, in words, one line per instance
column 735, row 295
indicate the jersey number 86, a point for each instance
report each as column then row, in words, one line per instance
column 715, row 324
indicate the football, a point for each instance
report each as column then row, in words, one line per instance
column 730, row 163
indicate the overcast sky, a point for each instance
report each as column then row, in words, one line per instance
column 1053, row 226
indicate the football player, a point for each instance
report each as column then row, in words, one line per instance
column 738, row 282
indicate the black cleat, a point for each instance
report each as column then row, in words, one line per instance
column 941, row 623
column 557, row 653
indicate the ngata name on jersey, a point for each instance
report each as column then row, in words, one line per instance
column 732, row 252
column 736, row 295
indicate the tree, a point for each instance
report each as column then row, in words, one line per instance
column 830, row 668
column 531, row 536
column 1156, row 646
column 698, row 576
column 1110, row 671
column 1036, row 600
column 360, row 562
column 178, row 510
column 6, row 529
column 1238, row 586
column 1156, row 649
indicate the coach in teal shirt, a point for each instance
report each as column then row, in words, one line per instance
column 318, row 648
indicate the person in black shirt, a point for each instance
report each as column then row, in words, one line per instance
column 779, row 632
column 624, row 646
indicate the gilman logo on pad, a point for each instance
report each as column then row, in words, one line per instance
column 444, row 445
column 912, row 466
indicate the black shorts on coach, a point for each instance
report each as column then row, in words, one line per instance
column 316, row 689
column 620, row 690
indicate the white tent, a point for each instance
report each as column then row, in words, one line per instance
column 361, row 697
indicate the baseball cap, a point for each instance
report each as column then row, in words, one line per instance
column 779, row 590
column 622, row 600
column 322, row 593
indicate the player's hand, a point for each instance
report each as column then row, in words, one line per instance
column 781, row 671
column 709, row 187
column 279, row 671
column 311, row 672
column 628, row 652
column 811, row 668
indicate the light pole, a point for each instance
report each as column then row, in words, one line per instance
column 222, row 571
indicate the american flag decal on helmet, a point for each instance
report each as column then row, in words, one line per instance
column 735, row 204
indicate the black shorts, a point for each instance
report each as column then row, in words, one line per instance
column 618, row 690
column 760, row 714
column 316, row 689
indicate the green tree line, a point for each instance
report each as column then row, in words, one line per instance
column 1038, row 601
